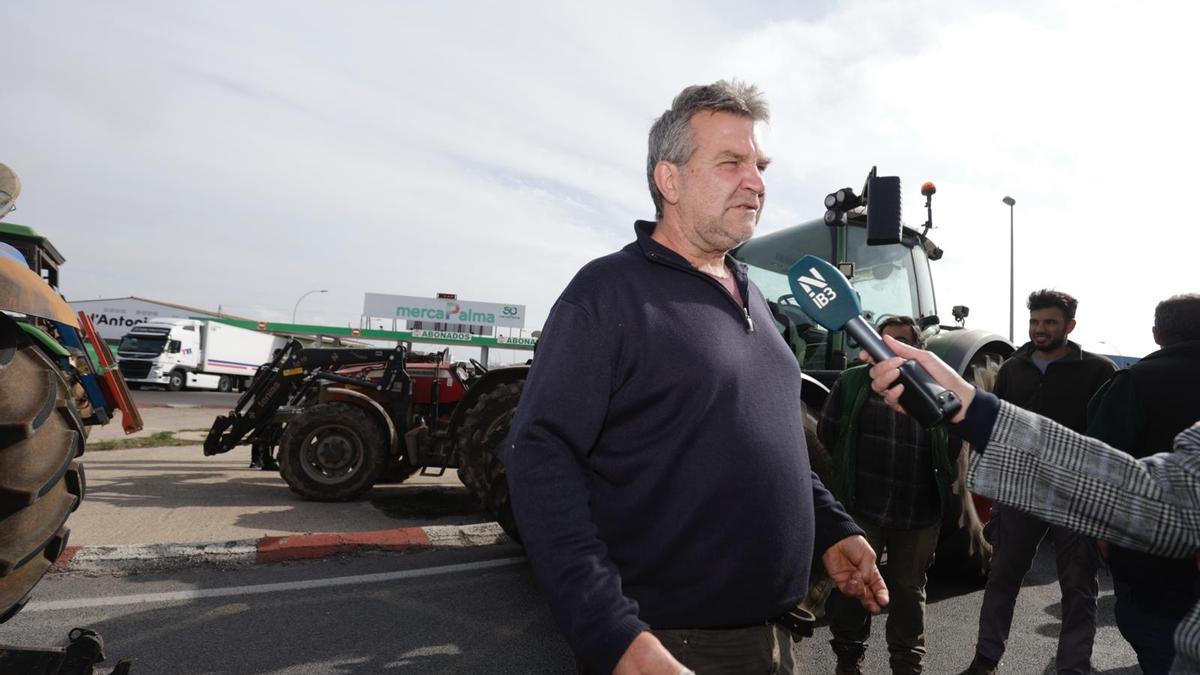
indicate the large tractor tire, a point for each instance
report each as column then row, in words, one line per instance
column 332, row 452
column 41, row 434
column 483, row 430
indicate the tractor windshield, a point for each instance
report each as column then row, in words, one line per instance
column 890, row 279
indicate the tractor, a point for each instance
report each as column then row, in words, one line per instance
column 337, row 421
column 889, row 268
column 57, row 379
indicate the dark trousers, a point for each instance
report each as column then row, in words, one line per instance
column 1016, row 536
column 909, row 555
column 761, row 649
column 1151, row 635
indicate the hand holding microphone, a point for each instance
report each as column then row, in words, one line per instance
column 826, row 296
column 884, row 376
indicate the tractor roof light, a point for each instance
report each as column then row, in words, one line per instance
column 846, row 199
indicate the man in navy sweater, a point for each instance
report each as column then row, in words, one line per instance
column 657, row 460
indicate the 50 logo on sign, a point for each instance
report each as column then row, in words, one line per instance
column 510, row 310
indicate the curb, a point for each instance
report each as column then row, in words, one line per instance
column 265, row 550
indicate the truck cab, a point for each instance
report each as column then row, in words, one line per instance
column 204, row 354
column 164, row 352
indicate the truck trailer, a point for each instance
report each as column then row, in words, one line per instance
column 182, row 353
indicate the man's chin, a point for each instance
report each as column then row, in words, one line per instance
column 1047, row 345
column 740, row 233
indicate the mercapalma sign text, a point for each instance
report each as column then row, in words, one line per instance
column 409, row 308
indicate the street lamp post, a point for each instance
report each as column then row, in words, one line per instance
column 301, row 298
column 1011, row 255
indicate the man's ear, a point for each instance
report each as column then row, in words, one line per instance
column 666, row 176
column 1157, row 339
column 1070, row 326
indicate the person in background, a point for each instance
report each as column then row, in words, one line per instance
column 894, row 477
column 1051, row 376
column 1139, row 411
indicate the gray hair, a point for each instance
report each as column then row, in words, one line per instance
column 671, row 136
column 1178, row 319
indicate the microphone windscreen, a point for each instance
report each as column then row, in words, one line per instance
column 823, row 292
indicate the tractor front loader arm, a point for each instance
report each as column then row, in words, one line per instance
column 286, row 380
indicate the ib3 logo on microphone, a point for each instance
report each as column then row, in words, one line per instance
column 817, row 288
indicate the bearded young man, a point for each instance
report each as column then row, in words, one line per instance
column 1053, row 377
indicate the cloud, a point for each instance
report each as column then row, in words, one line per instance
column 241, row 154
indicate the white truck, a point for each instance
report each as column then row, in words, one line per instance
column 182, row 353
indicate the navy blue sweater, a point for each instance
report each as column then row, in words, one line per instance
column 657, row 463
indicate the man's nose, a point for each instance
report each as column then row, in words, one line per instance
column 752, row 179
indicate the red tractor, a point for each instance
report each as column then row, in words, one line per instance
column 338, row 421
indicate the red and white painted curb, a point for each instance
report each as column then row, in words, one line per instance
column 277, row 549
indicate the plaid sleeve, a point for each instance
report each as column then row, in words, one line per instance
column 1055, row 474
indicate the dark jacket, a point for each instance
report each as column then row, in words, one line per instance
column 1141, row 410
column 1063, row 392
column 657, row 461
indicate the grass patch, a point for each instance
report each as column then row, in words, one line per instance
column 160, row 439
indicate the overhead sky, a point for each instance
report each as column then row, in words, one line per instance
column 237, row 155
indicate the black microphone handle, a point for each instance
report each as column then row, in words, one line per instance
column 927, row 401
column 864, row 333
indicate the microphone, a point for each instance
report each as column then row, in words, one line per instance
column 826, row 296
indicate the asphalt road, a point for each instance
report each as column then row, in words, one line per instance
column 465, row 621
column 214, row 399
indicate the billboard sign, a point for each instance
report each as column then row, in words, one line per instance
column 443, row 311
column 114, row 318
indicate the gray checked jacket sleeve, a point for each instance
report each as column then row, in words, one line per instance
column 1048, row 471
column 1151, row 504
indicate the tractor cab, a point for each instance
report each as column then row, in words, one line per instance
column 39, row 253
column 891, row 279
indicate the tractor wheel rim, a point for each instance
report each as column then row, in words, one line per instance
column 500, row 424
column 331, row 454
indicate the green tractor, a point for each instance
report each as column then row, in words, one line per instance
column 891, row 273
column 57, row 378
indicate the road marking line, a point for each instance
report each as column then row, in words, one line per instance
column 178, row 596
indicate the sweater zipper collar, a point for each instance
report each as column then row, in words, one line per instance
column 649, row 248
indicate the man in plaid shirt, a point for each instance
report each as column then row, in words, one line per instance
column 894, row 479
column 1043, row 468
